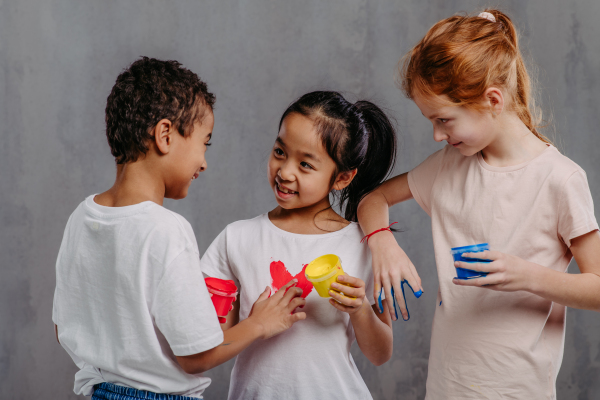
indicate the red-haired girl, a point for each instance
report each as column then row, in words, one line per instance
column 498, row 180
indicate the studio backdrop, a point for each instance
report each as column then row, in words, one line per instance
column 60, row 58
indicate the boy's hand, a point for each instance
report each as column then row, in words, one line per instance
column 351, row 297
column 274, row 314
column 506, row 273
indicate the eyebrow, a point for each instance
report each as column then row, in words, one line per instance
column 434, row 116
column 305, row 154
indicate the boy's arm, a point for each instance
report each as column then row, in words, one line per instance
column 391, row 265
column 373, row 331
column 269, row 317
column 233, row 316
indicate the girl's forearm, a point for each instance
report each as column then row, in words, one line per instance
column 374, row 337
column 373, row 210
column 571, row 290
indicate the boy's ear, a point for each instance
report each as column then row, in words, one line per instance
column 343, row 179
column 494, row 99
column 163, row 135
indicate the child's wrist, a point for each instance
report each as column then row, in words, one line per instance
column 255, row 328
column 381, row 239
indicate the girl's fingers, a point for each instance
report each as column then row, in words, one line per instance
column 483, row 255
column 348, row 290
column 341, row 307
column 347, row 301
column 389, row 299
column 350, row 280
column 485, row 281
column 479, row 267
column 400, row 301
column 377, row 293
column 416, row 278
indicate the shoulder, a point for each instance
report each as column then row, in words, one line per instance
column 558, row 167
column 166, row 229
column 247, row 226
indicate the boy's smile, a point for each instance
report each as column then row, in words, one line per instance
column 188, row 157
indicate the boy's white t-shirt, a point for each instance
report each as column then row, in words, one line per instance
column 312, row 359
column 130, row 296
column 488, row 344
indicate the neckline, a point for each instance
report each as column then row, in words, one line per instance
column 111, row 212
column 515, row 167
column 280, row 231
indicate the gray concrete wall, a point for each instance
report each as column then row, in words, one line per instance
column 59, row 60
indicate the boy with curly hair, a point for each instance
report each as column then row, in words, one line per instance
column 131, row 306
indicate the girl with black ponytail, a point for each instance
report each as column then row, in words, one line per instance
column 325, row 146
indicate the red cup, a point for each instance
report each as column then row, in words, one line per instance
column 222, row 293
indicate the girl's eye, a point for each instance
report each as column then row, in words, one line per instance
column 278, row 151
column 306, row 165
column 443, row 120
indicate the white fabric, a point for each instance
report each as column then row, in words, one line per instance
column 487, row 344
column 129, row 296
column 312, row 359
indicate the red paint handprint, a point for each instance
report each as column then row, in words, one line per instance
column 280, row 276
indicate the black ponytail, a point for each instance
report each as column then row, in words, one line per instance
column 357, row 135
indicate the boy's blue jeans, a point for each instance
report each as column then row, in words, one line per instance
column 110, row 391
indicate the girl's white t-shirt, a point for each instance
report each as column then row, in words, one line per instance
column 311, row 360
column 130, row 296
column 487, row 344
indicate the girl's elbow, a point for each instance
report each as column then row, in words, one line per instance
column 382, row 357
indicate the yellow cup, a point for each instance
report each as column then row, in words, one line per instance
column 323, row 271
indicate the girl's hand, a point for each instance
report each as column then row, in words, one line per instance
column 391, row 266
column 351, row 294
column 506, row 273
column 274, row 314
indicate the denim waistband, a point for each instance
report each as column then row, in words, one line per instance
column 110, row 391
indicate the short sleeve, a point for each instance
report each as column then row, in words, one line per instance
column 421, row 179
column 215, row 262
column 576, row 208
column 182, row 308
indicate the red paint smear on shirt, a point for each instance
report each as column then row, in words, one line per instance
column 281, row 276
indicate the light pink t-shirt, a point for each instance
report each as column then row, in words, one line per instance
column 498, row 345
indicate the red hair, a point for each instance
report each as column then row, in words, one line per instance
column 462, row 56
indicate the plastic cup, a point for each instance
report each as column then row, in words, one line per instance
column 222, row 293
column 323, row 271
column 464, row 273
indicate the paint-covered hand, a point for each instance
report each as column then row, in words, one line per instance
column 506, row 273
column 275, row 314
column 348, row 294
column 391, row 266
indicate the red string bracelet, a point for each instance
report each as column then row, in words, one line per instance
column 378, row 230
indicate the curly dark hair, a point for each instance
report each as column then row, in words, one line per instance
column 148, row 91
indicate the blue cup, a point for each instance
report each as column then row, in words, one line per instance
column 463, row 273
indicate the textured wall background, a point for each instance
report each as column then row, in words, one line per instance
column 60, row 58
